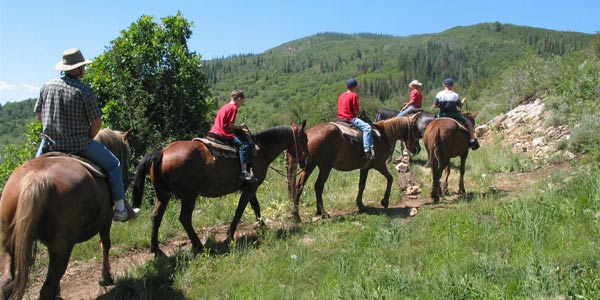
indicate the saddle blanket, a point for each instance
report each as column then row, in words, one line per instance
column 218, row 149
column 354, row 133
column 88, row 164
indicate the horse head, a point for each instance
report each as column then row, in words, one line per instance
column 413, row 135
column 299, row 151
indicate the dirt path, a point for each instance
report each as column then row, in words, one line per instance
column 81, row 278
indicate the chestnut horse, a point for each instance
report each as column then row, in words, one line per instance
column 60, row 202
column 187, row 169
column 444, row 139
column 329, row 149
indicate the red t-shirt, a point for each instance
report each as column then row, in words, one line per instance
column 348, row 105
column 225, row 116
column 416, row 97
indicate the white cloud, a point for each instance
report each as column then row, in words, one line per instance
column 11, row 92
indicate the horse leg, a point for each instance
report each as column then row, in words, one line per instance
column 445, row 182
column 239, row 211
column 388, row 188
column 8, row 272
column 256, row 208
column 162, row 200
column 58, row 261
column 436, row 174
column 461, row 182
column 310, row 167
column 362, row 182
column 319, row 187
column 106, row 279
column 188, row 202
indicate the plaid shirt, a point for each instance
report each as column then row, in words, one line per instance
column 67, row 106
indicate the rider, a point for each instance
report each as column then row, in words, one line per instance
column 449, row 103
column 71, row 119
column 348, row 109
column 224, row 128
column 414, row 99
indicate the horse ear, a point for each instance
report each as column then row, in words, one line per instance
column 475, row 115
column 126, row 133
column 303, row 124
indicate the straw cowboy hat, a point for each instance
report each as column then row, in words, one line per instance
column 72, row 59
column 415, row 82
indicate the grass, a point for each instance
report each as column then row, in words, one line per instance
column 539, row 244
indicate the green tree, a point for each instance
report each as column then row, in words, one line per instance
column 148, row 80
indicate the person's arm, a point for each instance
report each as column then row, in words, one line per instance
column 95, row 127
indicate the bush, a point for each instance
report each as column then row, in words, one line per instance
column 585, row 138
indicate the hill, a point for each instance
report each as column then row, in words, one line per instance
column 14, row 117
column 301, row 79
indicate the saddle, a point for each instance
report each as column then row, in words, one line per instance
column 352, row 133
column 218, row 147
column 91, row 166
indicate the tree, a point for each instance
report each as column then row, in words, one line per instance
column 147, row 79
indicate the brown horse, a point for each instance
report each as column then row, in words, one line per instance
column 187, row 169
column 444, row 139
column 57, row 200
column 329, row 149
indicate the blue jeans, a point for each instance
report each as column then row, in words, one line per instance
column 366, row 130
column 111, row 164
column 41, row 148
column 244, row 146
column 406, row 111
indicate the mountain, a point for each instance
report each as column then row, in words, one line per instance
column 301, row 79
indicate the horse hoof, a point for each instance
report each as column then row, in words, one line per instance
column 385, row 203
column 106, row 282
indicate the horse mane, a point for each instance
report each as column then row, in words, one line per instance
column 274, row 135
column 393, row 127
column 116, row 142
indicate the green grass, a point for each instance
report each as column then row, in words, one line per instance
column 536, row 244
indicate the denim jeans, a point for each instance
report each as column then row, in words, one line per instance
column 366, row 130
column 111, row 165
column 244, row 146
column 41, row 148
column 406, row 111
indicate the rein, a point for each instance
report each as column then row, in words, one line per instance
column 295, row 131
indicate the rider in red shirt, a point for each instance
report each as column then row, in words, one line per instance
column 224, row 127
column 348, row 110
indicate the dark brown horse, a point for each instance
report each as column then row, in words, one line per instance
column 444, row 139
column 187, row 169
column 329, row 149
column 57, row 200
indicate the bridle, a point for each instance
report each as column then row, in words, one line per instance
column 297, row 150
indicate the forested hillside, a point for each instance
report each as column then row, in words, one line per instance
column 301, row 79
column 14, row 117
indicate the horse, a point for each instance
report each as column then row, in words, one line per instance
column 188, row 169
column 54, row 198
column 422, row 122
column 329, row 149
column 444, row 139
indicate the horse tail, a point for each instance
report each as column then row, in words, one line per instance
column 36, row 188
column 152, row 159
column 434, row 158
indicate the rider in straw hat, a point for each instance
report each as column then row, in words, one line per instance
column 415, row 99
column 71, row 119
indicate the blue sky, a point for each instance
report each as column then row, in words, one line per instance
column 33, row 34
